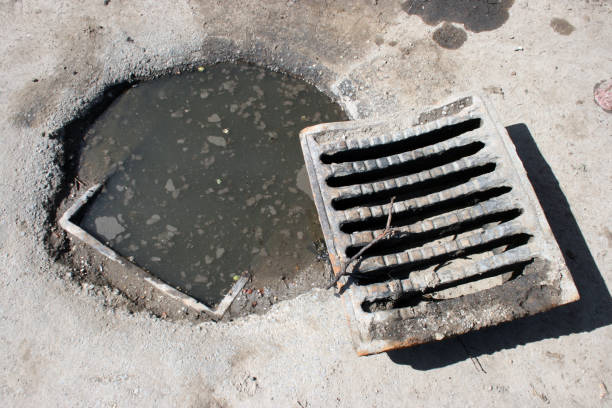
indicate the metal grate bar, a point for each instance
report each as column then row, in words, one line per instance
column 480, row 184
column 408, row 137
column 391, row 186
column 361, row 167
column 450, row 220
column 428, row 253
column 432, row 279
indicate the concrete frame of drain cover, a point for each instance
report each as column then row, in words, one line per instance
column 73, row 229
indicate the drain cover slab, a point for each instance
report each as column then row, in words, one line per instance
column 470, row 246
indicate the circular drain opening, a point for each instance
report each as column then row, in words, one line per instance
column 204, row 179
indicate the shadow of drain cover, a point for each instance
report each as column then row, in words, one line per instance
column 199, row 177
column 467, row 246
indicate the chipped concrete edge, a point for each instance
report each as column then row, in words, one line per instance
column 73, row 229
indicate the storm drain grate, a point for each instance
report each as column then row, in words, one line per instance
column 470, row 246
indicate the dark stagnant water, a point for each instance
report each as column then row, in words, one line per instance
column 205, row 176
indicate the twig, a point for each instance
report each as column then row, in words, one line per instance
column 79, row 182
column 475, row 360
column 386, row 232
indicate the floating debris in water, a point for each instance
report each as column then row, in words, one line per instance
column 108, row 227
column 214, row 118
column 217, row 141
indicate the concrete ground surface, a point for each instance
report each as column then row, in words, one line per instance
column 64, row 344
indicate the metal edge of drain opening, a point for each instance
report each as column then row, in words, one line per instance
column 549, row 268
column 73, row 229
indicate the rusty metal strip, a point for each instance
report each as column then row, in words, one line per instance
column 155, row 283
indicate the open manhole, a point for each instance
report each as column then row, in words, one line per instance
column 188, row 181
column 466, row 246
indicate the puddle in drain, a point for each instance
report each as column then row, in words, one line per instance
column 206, row 178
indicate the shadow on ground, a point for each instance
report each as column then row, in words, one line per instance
column 592, row 311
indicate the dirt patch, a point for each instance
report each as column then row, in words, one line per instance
column 562, row 26
column 475, row 15
column 450, row 37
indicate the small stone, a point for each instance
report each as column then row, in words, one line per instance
column 602, row 94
